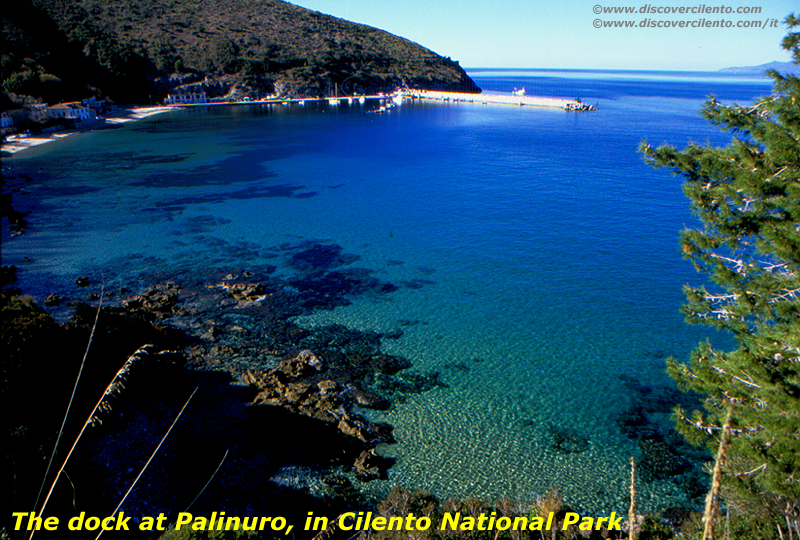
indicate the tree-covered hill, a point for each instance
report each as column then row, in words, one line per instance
column 136, row 50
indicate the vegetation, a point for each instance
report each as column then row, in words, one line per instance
column 747, row 196
column 27, row 331
column 136, row 50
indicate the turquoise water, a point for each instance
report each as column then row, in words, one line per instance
column 536, row 257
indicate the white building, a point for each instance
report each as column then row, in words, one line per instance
column 185, row 97
column 37, row 112
column 94, row 104
column 74, row 110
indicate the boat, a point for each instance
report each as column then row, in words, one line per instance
column 520, row 92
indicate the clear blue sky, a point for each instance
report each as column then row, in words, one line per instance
column 561, row 34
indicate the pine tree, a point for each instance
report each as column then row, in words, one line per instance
column 747, row 197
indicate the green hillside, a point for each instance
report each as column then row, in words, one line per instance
column 136, row 50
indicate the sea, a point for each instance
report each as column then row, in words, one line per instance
column 533, row 258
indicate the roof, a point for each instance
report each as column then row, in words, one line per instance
column 69, row 105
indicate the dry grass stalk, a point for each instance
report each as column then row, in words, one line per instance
column 209, row 481
column 632, row 523
column 551, row 502
column 712, row 499
column 112, row 389
column 328, row 531
column 141, row 472
column 71, row 399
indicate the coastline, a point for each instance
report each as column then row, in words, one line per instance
column 122, row 116
column 558, row 436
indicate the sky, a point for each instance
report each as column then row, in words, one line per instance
column 562, row 34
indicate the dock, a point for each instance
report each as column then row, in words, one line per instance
column 398, row 96
column 500, row 99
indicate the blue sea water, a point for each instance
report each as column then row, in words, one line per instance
column 536, row 256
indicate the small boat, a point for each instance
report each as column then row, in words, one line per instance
column 333, row 101
column 362, row 100
column 520, row 92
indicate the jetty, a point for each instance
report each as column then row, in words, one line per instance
column 395, row 98
column 500, row 99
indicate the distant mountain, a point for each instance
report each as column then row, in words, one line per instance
column 136, row 50
column 780, row 67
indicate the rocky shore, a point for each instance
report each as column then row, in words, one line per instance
column 286, row 403
column 280, row 423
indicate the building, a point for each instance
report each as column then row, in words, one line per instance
column 98, row 106
column 74, row 111
column 6, row 122
column 185, row 96
column 37, row 112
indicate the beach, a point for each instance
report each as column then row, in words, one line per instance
column 15, row 143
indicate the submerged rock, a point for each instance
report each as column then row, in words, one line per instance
column 321, row 257
column 370, row 466
column 406, row 383
column 388, row 364
column 367, row 399
column 156, row 302
column 567, row 440
column 292, row 386
column 301, row 364
column 660, row 460
column 246, row 294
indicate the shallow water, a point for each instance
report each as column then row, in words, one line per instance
column 536, row 257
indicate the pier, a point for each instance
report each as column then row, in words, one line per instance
column 398, row 96
column 500, row 99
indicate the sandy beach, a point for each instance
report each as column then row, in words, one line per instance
column 15, row 143
column 124, row 116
